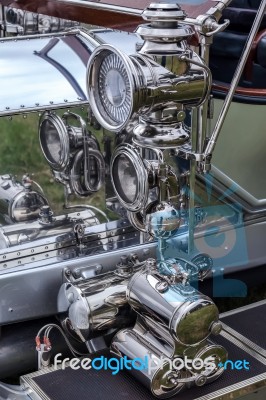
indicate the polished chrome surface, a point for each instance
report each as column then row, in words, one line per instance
column 73, row 153
column 51, row 71
column 54, row 140
column 165, row 379
column 175, row 308
column 102, row 6
column 27, row 232
column 19, row 22
column 129, row 343
column 150, row 94
column 150, row 135
column 129, row 176
column 18, row 201
column 163, row 220
column 95, row 305
column 147, row 86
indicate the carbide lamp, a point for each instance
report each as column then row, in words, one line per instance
column 120, row 86
column 72, row 152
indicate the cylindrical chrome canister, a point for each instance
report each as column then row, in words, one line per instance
column 96, row 304
column 147, row 365
column 189, row 316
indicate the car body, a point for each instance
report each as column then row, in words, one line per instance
column 146, row 184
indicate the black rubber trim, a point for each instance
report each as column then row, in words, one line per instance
column 251, row 323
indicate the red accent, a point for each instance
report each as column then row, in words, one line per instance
column 47, row 343
column 38, row 343
column 223, row 87
column 252, row 56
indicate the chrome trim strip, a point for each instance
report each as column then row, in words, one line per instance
column 238, row 336
column 39, row 36
column 102, row 6
column 245, row 340
column 242, row 346
column 244, row 308
column 240, row 192
column 237, row 390
column 27, row 110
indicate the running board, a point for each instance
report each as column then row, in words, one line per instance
column 244, row 337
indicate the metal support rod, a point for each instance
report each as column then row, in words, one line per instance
column 205, row 43
column 192, row 178
column 103, row 6
column 217, row 129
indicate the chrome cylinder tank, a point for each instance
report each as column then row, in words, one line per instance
column 175, row 307
column 166, row 376
column 147, row 364
column 97, row 304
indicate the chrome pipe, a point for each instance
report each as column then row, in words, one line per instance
column 104, row 7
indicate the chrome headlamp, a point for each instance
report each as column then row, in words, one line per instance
column 111, row 82
column 54, row 141
column 132, row 177
column 72, row 153
column 119, row 85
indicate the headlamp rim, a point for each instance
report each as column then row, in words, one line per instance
column 142, row 174
column 61, row 129
column 92, row 76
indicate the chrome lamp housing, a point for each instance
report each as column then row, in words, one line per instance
column 121, row 86
column 72, row 152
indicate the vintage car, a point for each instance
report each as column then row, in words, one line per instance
column 136, row 198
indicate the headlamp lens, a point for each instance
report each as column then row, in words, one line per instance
column 54, row 141
column 111, row 86
column 50, row 142
column 114, row 88
column 125, row 178
column 129, row 177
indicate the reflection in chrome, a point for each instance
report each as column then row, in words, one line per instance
column 43, row 227
column 51, row 74
column 72, row 152
column 146, row 99
column 19, row 22
column 168, row 313
column 98, row 304
column 18, row 201
column 156, row 87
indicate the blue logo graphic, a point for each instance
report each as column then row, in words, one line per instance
column 219, row 233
